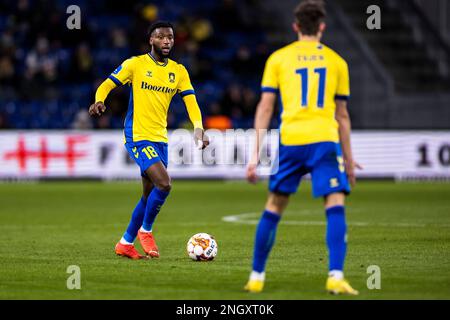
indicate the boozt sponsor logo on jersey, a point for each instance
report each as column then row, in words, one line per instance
column 145, row 85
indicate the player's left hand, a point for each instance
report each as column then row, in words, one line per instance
column 251, row 174
column 201, row 139
column 350, row 167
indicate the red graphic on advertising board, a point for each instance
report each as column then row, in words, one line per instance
column 43, row 153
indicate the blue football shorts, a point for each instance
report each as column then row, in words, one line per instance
column 146, row 153
column 323, row 160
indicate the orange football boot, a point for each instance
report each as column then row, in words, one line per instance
column 129, row 251
column 148, row 244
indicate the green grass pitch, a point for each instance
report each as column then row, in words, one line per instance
column 404, row 228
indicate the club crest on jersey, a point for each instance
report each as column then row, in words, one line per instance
column 171, row 77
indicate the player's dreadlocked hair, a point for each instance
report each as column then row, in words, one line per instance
column 309, row 14
column 158, row 24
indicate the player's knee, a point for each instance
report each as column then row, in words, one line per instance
column 335, row 199
column 164, row 185
column 277, row 202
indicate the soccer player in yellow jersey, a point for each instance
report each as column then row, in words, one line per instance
column 312, row 82
column 154, row 79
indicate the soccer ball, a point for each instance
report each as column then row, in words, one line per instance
column 202, row 247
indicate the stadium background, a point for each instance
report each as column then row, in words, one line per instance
column 400, row 111
column 400, row 79
column 49, row 73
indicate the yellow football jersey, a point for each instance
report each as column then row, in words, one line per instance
column 308, row 76
column 153, row 84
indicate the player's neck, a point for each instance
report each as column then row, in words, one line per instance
column 305, row 38
column 156, row 56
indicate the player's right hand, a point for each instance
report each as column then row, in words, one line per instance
column 96, row 109
column 350, row 167
column 252, row 177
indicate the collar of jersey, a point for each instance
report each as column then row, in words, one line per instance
column 308, row 42
column 157, row 62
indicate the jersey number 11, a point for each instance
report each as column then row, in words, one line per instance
column 303, row 72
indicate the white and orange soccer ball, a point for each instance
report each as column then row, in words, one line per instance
column 202, row 247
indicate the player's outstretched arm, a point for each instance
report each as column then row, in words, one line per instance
column 264, row 112
column 195, row 115
column 98, row 107
column 343, row 119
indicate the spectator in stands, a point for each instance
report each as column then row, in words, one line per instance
column 40, row 61
column 7, row 43
column 41, row 64
column 7, row 71
column 82, row 62
column 249, row 102
column 119, row 38
column 144, row 16
column 8, row 59
column 3, row 121
column 201, row 30
column 239, row 104
column 82, row 121
column 245, row 63
column 23, row 12
column 231, row 102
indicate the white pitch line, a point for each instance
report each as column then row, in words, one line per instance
column 243, row 219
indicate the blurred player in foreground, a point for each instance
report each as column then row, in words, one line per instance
column 313, row 84
column 153, row 79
